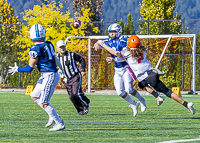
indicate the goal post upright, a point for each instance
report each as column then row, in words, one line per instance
column 193, row 90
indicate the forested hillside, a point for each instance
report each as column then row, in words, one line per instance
column 116, row 9
column 22, row 5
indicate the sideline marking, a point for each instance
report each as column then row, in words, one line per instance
column 177, row 141
column 3, row 123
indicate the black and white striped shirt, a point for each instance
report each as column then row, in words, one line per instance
column 68, row 62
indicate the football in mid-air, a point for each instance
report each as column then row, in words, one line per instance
column 76, row 23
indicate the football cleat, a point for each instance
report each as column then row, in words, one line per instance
column 50, row 122
column 58, row 127
column 135, row 108
column 82, row 113
column 86, row 109
column 159, row 100
column 143, row 105
column 191, row 108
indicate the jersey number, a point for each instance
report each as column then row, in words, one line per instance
column 140, row 59
column 48, row 52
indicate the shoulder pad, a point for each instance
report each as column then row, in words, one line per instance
column 124, row 38
column 34, row 47
column 48, row 42
column 107, row 39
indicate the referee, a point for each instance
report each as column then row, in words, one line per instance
column 73, row 77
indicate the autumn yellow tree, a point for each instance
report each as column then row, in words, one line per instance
column 9, row 27
column 8, row 30
column 160, row 10
column 58, row 25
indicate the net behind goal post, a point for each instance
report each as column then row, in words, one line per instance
column 172, row 54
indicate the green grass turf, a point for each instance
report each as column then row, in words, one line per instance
column 109, row 120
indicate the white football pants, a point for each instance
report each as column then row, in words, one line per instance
column 122, row 81
column 45, row 87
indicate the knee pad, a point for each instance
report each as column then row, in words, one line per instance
column 162, row 88
column 134, row 92
column 131, row 91
column 122, row 93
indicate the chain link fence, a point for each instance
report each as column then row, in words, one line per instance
column 105, row 79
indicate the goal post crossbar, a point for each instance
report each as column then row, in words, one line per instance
column 169, row 37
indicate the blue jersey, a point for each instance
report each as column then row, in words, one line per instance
column 46, row 56
column 117, row 44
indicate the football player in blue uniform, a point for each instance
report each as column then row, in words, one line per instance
column 122, row 79
column 43, row 56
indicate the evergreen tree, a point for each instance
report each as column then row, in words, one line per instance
column 130, row 25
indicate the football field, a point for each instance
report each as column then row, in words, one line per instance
column 109, row 120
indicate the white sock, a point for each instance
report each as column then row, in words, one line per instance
column 52, row 113
column 129, row 99
column 138, row 96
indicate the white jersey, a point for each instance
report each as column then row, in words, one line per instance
column 139, row 66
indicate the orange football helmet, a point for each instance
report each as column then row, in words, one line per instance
column 133, row 42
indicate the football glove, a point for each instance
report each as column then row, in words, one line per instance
column 65, row 80
column 61, row 74
column 13, row 70
column 100, row 46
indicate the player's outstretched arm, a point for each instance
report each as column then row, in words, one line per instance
column 100, row 45
column 29, row 68
column 112, row 51
column 58, row 63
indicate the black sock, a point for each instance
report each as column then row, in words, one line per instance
column 185, row 104
column 155, row 94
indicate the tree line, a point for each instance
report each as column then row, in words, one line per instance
column 58, row 23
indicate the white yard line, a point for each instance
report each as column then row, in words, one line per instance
column 178, row 141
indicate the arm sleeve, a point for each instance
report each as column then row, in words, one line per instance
column 81, row 60
column 25, row 69
column 58, row 63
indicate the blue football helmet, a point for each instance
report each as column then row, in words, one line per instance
column 115, row 27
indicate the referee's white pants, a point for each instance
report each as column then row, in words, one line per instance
column 122, row 81
column 45, row 87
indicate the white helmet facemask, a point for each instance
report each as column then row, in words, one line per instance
column 115, row 27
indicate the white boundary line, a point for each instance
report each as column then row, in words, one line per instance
column 177, row 141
